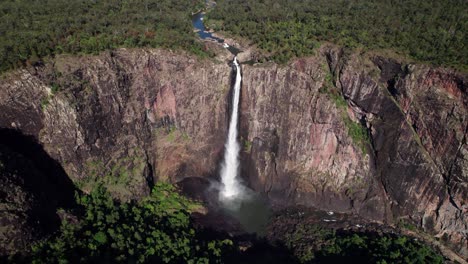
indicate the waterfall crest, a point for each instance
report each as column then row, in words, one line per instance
column 231, row 186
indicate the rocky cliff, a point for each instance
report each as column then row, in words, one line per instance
column 348, row 132
column 393, row 150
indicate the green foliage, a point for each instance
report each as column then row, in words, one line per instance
column 45, row 102
column 298, row 240
column 339, row 101
column 357, row 132
column 121, row 176
column 433, row 31
column 381, row 249
column 156, row 229
column 247, row 145
column 33, row 30
column 321, row 245
column 54, row 88
column 405, row 224
column 171, row 136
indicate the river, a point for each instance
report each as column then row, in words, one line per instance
column 199, row 26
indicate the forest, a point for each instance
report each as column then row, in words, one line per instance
column 432, row 31
column 33, row 30
column 428, row 31
column 160, row 229
column 157, row 230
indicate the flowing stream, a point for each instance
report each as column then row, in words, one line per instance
column 199, row 26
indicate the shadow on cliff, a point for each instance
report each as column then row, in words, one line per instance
column 37, row 174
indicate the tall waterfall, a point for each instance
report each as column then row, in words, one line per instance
column 231, row 187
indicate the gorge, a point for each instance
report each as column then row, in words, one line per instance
column 155, row 115
column 283, row 132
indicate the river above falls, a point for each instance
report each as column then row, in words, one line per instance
column 199, row 26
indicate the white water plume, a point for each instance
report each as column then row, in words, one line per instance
column 231, row 186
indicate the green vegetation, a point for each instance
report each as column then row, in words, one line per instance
column 356, row 131
column 116, row 176
column 45, row 102
column 247, row 145
column 312, row 243
column 406, row 224
column 434, row 31
column 171, row 136
column 157, row 229
column 33, row 30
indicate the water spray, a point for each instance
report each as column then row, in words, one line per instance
column 231, row 187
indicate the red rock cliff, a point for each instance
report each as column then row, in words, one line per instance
column 345, row 132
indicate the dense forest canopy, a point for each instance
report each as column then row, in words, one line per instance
column 432, row 31
column 31, row 30
column 159, row 229
column 156, row 229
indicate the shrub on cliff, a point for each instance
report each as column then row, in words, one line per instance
column 156, row 229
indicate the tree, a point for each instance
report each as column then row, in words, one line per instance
column 156, row 229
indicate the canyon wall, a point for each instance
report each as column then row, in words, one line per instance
column 411, row 167
column 347, row 132
column 125, row 118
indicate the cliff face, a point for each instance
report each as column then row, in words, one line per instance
column 123, row 117
column 413, row 163
column 418, row 125
column 300, row 149
column 350, row 133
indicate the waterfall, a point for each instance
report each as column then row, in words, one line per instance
column 231, row 187
column 238, row 201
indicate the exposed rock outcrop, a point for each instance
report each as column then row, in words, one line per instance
column 352, row 133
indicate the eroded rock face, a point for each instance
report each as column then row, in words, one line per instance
column 350, row 133
column 418, row 118
column 300, row 151
column 123, row 117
